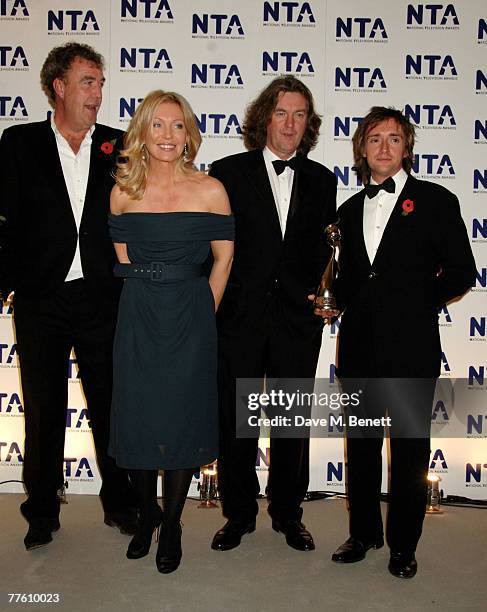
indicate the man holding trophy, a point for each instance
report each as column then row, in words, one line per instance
column 404, row 253
column 282, row 202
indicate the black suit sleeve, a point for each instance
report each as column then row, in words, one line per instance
column 9, row 188
column 343, row 283
column 330, row 216
column 215, row 171
column 456, row 261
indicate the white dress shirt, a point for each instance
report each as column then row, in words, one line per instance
column 282, row 186
column 377, row 211
column 76, row 168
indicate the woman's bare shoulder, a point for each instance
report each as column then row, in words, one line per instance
column 213, row 195
column 119, row 201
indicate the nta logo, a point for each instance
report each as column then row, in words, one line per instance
column 445, row 312
column 76, row 419
column 13, row 449
column 439, row 412
column 13, row 403
column 217, row 25
column 12, row 57
column 128, row 107
column 263, row 457
column 432, row 15
column 218, row 123
column 362, row 28
column 152, row 9
column 477, row 327
column 342, row 126
column 474, row 472
column 480, row 130
column 445, row 364
column 344, row 175
column 217, row 74
column 482, row 32
column 477, row 375
column 480, row 82
column 157, row 60
column 479, row 179
column 75, row 20
column 80, row 468
column 363, row 78
column 13, row 8
column 12, row 107
column 433, row 164
column 334, row 472
column 287, row 62
column 7, row 352
column 431, row 115
column 430, row 66
column 481, row 278
column 288, row 12
column 438, row 457
column 479, row 228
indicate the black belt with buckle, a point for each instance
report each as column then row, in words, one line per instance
column 158, row 271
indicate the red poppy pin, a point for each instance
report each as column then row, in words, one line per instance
column 407, row 207
column 108, row 146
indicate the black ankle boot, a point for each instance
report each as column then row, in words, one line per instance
column 169, row 551
column 140, row 544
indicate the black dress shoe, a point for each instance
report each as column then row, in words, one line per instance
column 124, row 520
column 354, row 550
column 297, row 536
column 230, row 535
column 169, row 551
column 403, row 565
column 39, row 533
column 139, row 545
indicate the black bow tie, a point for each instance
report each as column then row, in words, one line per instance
column 388, row 185
column 280, row 164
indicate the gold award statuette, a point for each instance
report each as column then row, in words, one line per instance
column 325, row 298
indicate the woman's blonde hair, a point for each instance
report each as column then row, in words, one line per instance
column 133, row 166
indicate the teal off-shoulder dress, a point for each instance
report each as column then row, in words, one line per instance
column 164, row 406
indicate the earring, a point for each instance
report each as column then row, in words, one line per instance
column 142, row 148
column 185, row 152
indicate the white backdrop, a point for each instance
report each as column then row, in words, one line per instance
column 430, row 60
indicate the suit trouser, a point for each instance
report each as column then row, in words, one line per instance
column 46, row 330
column 409, row 403
column 275, row 352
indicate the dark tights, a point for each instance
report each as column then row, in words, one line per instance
column 176, row 487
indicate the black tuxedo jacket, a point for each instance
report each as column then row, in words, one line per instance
column 265, row 264
column 38, row 236
column 389, row 326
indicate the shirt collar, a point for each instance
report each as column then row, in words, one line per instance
column 400, row 179
column 269, row 156
column 57, row 133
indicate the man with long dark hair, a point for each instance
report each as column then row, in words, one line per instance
column 282, row 202
column 56, row 255
column 404, row 253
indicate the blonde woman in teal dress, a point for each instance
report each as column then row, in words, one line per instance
column 165, row 218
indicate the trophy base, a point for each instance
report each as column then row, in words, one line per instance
column 207, row 503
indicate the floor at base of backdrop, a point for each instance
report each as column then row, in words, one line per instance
column 86, row 564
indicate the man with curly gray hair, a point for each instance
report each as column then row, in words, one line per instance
column 282, row 202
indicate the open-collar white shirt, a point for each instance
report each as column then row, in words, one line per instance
column 76, row 169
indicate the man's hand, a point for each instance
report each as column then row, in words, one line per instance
column 325, row 313
column 6, row 295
